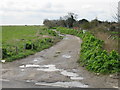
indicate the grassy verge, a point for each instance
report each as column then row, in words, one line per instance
column 92, row 55
column 21, row 41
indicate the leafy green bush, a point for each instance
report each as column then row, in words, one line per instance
column 4, row 52
column 53, row 33
column 92, row 56
column 53, row 27
column 29, row 45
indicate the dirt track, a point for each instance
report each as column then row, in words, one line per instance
column 53, row 67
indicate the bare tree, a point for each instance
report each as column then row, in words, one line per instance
column 66, row 21
column 116, row 15
column 70, row 19
column 118, row 12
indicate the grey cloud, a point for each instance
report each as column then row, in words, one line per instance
column 35, row 11
column 48, row 5
column 47, row 8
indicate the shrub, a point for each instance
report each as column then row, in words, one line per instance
column 9, row 52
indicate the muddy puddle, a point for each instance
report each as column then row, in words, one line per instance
column 29, row 81
column 48, row 68
column 73, row 76
column 52, row 68
column 76, row 78
column 29, row 66
column 69, row 74
column 38, row 60
column 35, row 60
column 63, row 84
column 66, row 56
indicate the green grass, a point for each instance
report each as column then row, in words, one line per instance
column 12, row 34
column 21, row 41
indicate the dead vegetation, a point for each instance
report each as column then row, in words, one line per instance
column 109, row 43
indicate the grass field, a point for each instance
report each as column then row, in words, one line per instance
column 21, row 41
column 12, row 33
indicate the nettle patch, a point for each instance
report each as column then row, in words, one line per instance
column 92, row 55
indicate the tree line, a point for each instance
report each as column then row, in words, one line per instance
column 70, row 21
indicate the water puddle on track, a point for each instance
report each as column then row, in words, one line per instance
column 66, row 56
column 38, row 59
column 48, row 68
column 35, row 60
column 69, row 74
column 30, row 66
column 63, row 84
column 73, row 76
column 29, row 81
column 52, row 68
column 76, row 78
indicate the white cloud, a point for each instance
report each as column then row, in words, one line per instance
column 35, row 11
column 87, row 6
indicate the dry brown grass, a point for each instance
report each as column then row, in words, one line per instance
column 109, row 43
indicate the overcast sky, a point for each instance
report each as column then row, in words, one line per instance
column 35, row 11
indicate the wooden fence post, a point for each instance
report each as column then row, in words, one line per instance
column 24, row 46
column 16, row 48
column 32, row 46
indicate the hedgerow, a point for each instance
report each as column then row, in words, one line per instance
column 10, row 52
column 92, row 55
